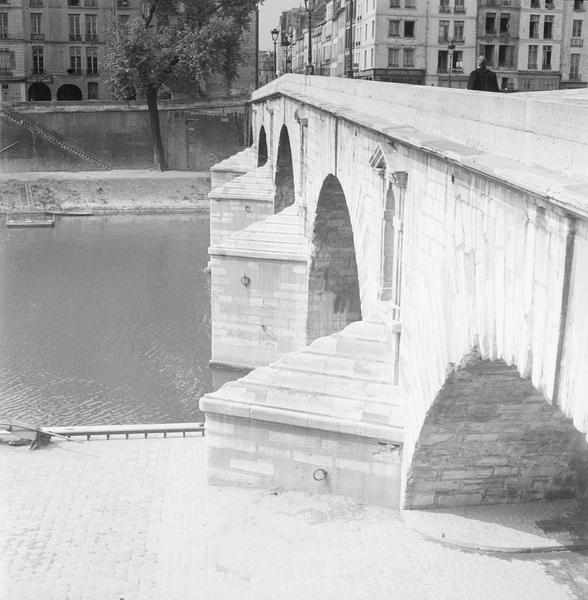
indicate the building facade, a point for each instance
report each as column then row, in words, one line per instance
column 530, row 44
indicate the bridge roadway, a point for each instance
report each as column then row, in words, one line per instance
column 404, row 268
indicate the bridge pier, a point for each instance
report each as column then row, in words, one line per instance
column 325, row 419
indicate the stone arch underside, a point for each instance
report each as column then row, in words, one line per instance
column 490, row 437
column 333, row 289
column 285, row 193
column 262, row 148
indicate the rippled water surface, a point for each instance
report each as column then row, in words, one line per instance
column 105, row 320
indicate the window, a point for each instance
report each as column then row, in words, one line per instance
column 394, row 3
column 535, row 4
column 373, row 29
column 488, row 53
column 393, row 57
column 371, row 57
column 409, row 29
column 577, row 28
column 548, row 27
column 91, row 3
column 549, row 4
column 92, row 61
column 506, row 83
column 7, row 61
column 458, row 31
column 459, row 6
column 442, row 61
column 127, row 4
column 394, row 28
column 75, row 60
column 3, row 25
column 36, row 31
column 73, row 2
column 38, row 63
column 505, row 56
column 443, row 31
column 504, row 22
column 457, row 61
column 490, row 20
column 546, row 65
column 91, row 35
column 444, row 6
column 74, row 28
column 534, row 26
column 409, row 4
column 35, row 2
column 575, row 66
column 409, row 58
column 92, row 90
column 124, row 19
column 578, row 4
column 532, row 60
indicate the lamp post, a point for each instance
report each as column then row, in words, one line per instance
column 275, row 34
column 450, row 50
column 309, row 66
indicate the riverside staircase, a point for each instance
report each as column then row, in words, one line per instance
column 49, row 135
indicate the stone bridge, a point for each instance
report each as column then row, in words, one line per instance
column 404, row 270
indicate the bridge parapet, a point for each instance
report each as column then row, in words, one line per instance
column 516, row 127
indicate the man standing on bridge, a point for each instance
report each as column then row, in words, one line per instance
column 482, row 78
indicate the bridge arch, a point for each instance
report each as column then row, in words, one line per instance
column 333, row 287
column 262, row 153
column 490, row 437
column 285, row 192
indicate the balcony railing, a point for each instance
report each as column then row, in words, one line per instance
column 443, row 39
column 75, row 37
column 91, row 37
column 577, row 42
column 459, row 9
column 91, row 71
column 38, row 71
column 458, row 40
column 37, row 36
column 5, row 71
column 444, row 9
column 36, row 3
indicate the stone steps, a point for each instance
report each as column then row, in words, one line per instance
column 256, row 185
column 242, row 162
column 260, row 239
column 347, row 387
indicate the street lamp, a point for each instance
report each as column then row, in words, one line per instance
column 275, row 34
column 450, row 50
column 309, row 66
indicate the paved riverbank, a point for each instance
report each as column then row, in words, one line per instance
column 110, row 191
column 134, row 519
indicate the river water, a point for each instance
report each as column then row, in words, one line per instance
column 105, row 320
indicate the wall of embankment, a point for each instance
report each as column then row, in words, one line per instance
column 195, row 135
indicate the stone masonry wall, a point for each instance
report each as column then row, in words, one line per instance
column 262, row 320
column 230, row 215
column 275, row 456
column 491, row 438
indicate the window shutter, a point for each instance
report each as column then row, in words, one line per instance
column 12, row 60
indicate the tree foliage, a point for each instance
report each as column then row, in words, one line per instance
column 177, row 44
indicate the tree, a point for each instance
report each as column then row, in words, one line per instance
column 175, row 43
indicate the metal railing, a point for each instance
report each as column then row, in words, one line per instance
column 164, row 429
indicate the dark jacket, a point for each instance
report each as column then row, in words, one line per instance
column 483, row 79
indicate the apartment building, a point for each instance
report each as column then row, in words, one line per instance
column 12, row 53
column 530, row 44
column 574, row 59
